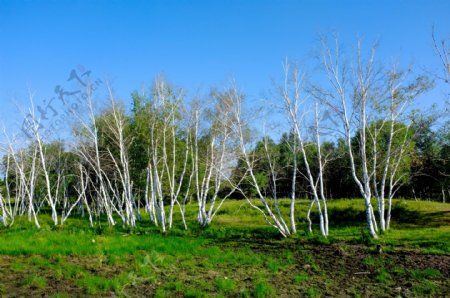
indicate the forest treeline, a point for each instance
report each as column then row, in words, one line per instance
column 354, row 132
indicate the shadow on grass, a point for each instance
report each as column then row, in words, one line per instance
column 401, row 215
column 404, row 216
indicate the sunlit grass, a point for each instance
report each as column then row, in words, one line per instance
column 230, row 255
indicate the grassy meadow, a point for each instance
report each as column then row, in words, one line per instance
column 239, row 255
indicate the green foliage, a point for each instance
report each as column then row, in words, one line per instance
column 96, row 285
column 263, row 290
column 301, row 278
column 273, row 265
column 402, row 148
column 428, row 273
column 426, row 288
column 312, row 292
column 372, row 261
column 383, row 276
column 60, row 295
column 34, row 281
column 225, row 285
column 431, row 157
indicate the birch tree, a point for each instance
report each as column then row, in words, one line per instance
column 88, row 148
column 38, row 142
column 8, row 214
column 165, row 125
column 116, row 124
column 213, row 162
column 349, row 94
column 390, row 138
column 442, row 50
column 25, row 163
column 272, row 215
column 296, row 109
column 81, row 190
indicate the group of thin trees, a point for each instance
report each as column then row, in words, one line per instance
column 169, row 152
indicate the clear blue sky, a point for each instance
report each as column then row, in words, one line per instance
column 196, row 44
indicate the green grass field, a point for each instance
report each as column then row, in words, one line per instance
column 237, row 256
